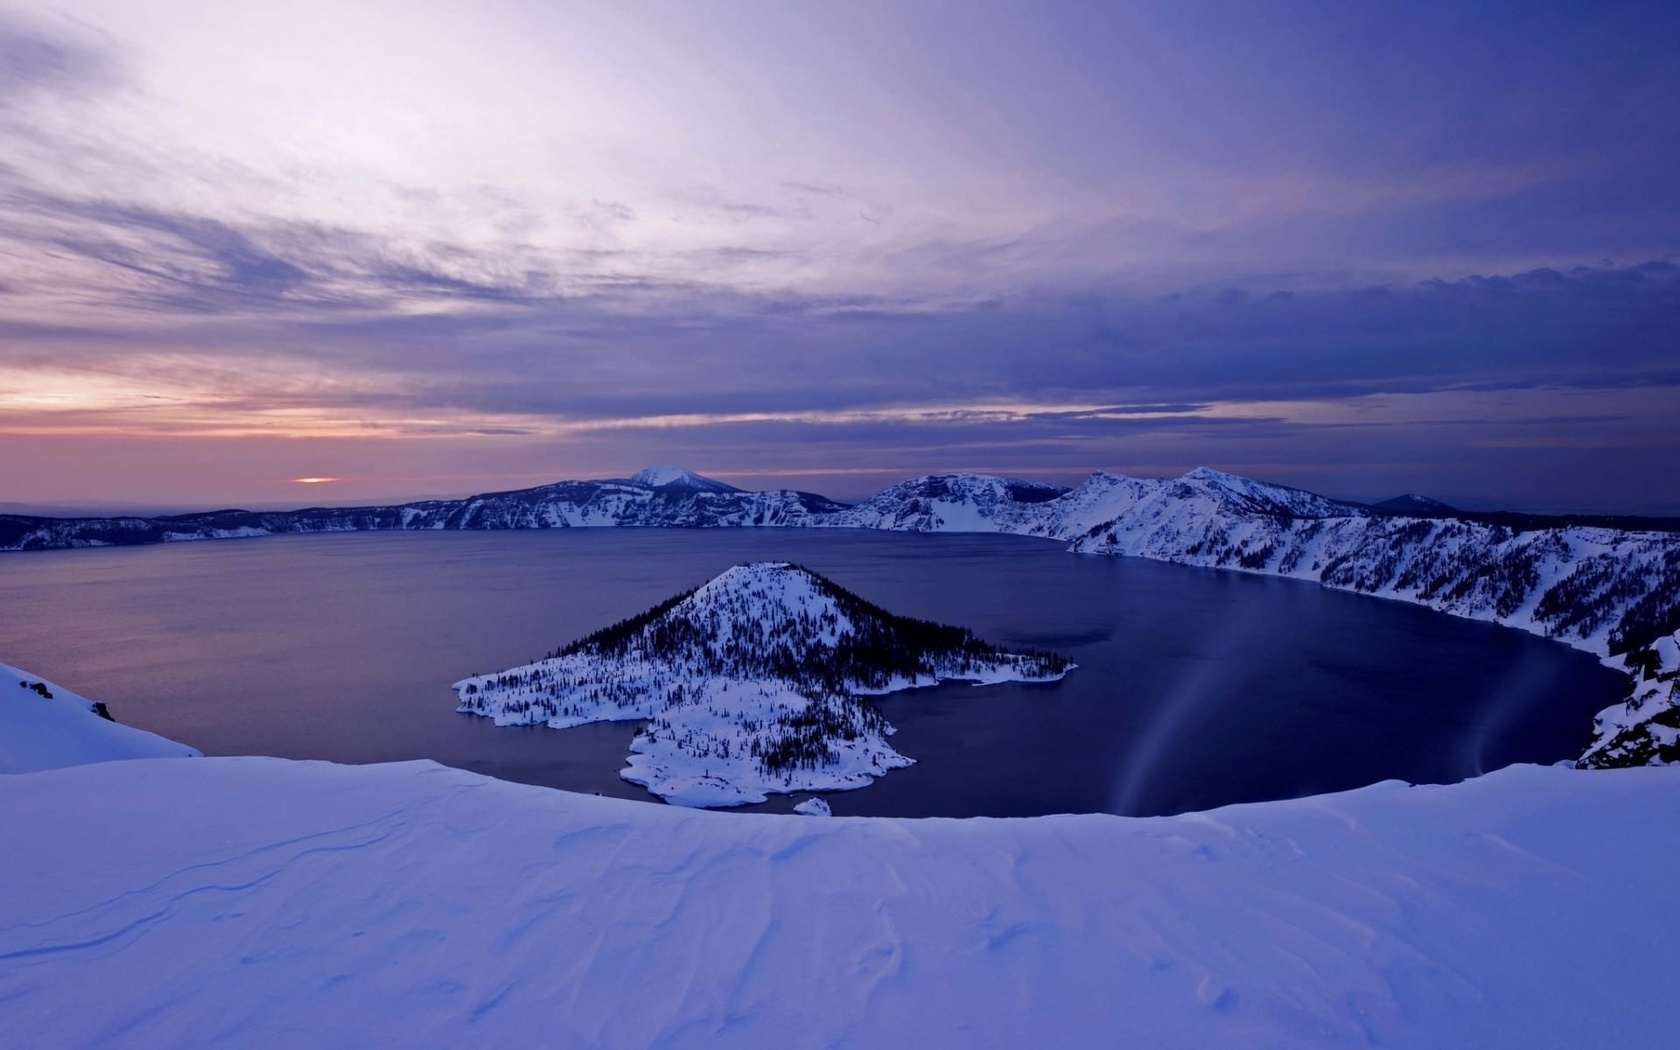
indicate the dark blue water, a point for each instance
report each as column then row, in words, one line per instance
column 1195, row 687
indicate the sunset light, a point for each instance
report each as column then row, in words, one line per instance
column 1153, row 523
column 1038, row 242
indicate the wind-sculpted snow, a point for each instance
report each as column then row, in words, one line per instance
column 46, row 726
column 750, row 685
column 259, row 903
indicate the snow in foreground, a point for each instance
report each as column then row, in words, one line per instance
column 45, row 726
column 262, row 902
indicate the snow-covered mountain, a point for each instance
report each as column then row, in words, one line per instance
column 949, row 503
column 982, row 503
column 1415, row 505
column 657, row 496
column 750, row 685
column 666, row 476
column 1200, row 495
column 1597, row 589
column 46, row 726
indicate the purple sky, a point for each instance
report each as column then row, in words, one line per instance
column 436, row 248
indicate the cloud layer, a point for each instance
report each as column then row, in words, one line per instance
column 1387, row 248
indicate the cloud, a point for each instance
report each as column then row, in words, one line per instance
column 197, row 262
column 1120, row 230
column 462, row 336
column 36, row 60
column 141, row 257
column 818, row 189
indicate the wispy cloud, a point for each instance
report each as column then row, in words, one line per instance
column 36, row 60
column 740, row 235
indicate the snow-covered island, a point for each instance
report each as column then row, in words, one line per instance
column 751, row 685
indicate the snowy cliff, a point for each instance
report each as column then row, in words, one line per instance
column 1602, row 590
column 1645, row 730
column 750, row 685
column 46, row 726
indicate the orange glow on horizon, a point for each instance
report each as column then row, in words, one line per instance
column 313, row 481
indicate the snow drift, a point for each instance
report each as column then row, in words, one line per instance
column 266, row 903
column 45, row 726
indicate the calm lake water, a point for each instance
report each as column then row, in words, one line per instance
column 1195, row 688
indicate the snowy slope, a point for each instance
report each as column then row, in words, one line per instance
column 263, row 903
column 1588, row 587
column 1416, row 505
column 750, row 685
column 1645, row 729
column 46, row 726
column 983, row 503
column 949, row 503
column 668, row 476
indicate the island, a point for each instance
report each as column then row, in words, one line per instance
column 752, row 684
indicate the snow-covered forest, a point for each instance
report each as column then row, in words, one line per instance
column 750, row 684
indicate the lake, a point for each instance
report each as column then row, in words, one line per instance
column 1195, row 687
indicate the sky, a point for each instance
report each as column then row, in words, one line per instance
column 435, row 248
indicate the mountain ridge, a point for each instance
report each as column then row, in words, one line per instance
column 682, row 498
column 1417, row 505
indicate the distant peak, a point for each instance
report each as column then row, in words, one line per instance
column 1414, row 503
column 669, row 476
column 1266, row 497
column 1209, row 474
column 756, row 575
